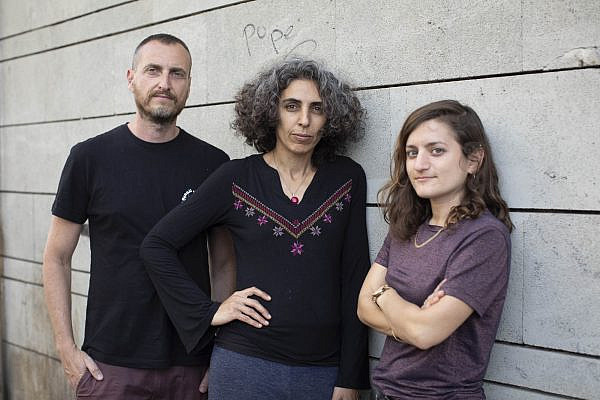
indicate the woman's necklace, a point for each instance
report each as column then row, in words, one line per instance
column 418, row 246
column 294, row 199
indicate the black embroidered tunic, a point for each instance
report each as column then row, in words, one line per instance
column 311, row 258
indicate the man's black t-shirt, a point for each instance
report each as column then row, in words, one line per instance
column 123, row 185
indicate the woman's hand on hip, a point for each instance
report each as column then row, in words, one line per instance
column 243, row 308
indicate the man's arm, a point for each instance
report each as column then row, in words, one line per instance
column 62, row 240
column 221, row 263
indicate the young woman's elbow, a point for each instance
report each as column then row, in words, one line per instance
column 361, row 312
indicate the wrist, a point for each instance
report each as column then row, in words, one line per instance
column 65, row 347
column 377, row 294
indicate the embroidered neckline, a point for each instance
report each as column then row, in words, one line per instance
column 294, row 228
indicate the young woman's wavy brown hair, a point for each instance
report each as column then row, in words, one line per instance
column 405, row 211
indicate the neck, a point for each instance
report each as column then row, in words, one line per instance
column 291, row 164
column 441, row 209
column 149, row 131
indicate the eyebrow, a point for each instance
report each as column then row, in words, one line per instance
column 293, row 100
column 428, row 144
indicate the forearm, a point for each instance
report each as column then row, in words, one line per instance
column 371, row 315
column 423, row 327
column 57, row 291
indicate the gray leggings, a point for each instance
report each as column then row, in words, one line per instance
column 235, row 376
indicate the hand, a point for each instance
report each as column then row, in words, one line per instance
column 75, row 362
column 435, row 296
column 241, row 307
column 203, row 388
column 340, row 393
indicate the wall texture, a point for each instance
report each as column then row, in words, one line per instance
column 530, row 68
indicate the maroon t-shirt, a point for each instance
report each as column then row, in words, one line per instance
column 474, row 256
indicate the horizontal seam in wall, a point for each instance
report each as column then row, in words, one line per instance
column 116, row 33
column 29, row 350
column 549, row 350
column 66, row 20
column 9, row 278
column 534, row 210
column 38, row 263
column 475, row 77
column 28, row 193
column 365, row 88
column 537, row 391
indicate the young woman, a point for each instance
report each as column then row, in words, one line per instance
column 449, row 228
column 296, row 213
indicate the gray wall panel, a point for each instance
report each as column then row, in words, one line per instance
column 562, row 275
column 548, row 371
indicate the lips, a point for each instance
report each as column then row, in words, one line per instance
column 423, row 178
column 163, row 96
column 302, row 137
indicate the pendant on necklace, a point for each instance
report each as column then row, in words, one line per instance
column 294, row 200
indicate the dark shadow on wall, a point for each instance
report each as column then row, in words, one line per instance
column 2, row 347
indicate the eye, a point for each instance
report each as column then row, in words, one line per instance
column 179, row 74
column 437, row 151
column 318, row 108
column 152, row 71
column 291, row 106
column 411, row 153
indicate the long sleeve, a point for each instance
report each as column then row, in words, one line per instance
column 189, row 308
column 353, row 372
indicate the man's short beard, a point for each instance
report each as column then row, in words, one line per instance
column 160, row 115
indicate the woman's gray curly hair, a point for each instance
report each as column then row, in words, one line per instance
column 256, row 107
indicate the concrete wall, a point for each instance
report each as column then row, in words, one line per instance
column 531, row 68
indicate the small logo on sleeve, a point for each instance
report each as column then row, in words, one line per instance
column 186, row 195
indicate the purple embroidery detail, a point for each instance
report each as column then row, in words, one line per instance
column 278, row 231
column 347, row 198
column 295, row 228
column 261, row 220
column 297, row 248
column 339, row 206
column 315, row 230
column 238, row 204
column 249, row 212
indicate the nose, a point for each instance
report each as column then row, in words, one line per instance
column 421, row 162
column 164, row 82
column 304, row 117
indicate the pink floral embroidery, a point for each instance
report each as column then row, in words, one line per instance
column 294, row 228
column 348, row 197
column 315, row 230
column 297, row 248
column 339, row 206
column 238, row 204
column 249, row 212
column 327, row 218
column 278, row 231
column 261, row 220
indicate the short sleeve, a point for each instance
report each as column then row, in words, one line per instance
column 383, row 257
column 72, row 196
column 477, row 272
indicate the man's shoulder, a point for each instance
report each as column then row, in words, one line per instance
column 206, row 148
column 100, row 141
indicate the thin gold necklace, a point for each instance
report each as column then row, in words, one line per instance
column 418, row 246
column 294, row 199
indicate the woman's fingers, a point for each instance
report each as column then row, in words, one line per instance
column 256, row 292
column 239, row 306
